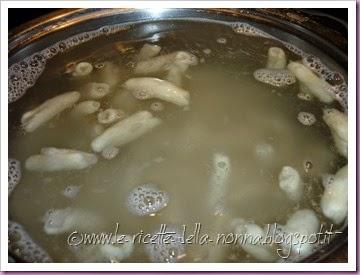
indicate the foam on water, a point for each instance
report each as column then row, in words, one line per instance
column 147, row 199
column 275, row 77
column 306, row 118
column 23, row 75
column 14, row 174
column 24, row 247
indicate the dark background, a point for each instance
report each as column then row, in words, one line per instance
column 19, row 16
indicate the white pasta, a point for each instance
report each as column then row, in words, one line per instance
column 110, row 74
column 219, row 180
column 148, row 87
column 276, row 58
column 302, row 225
column 58, row 221
column 260, row 251
column 148, row 51
column 314, row 85
column 291, row 183
column 334, row 202
column 338, row 124
column 126, row 131
column 85, row 108
column 35, row 118
column 53, row 159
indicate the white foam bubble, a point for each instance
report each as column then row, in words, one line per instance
column 147, row 199
column 246, row 29
column 306, row 118
column 24, row 247
column 23, row 74
column 275, row 77
column 14, row 174
column 170, row 251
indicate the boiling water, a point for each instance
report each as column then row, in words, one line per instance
column 255, row 125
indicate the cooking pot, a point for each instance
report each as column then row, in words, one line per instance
column 310, row 30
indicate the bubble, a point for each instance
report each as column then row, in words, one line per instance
column 14, row 174
column 99, row 65
column 246, row 29
column 82, row 69
column 221, row 40
column 98, row 90
column 157, row 106
column 275, row 77
column 24, row 247
column 71, row 191
column 169, row 249
column 308, row 165
column 306, row 118
column 146, row 199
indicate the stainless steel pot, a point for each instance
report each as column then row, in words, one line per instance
column 310, row 30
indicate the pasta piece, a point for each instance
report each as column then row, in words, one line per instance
column 314, row 85
column 148, row 87
column 58, row 221
column 85, row 108
column 261, row 251
column 276, row 58
column 126, row 131
column 53, row 159
column 298, row 233
column 163, row 62
column 148, row 51
column 49, row 109
column 334, row 202
column 290, row 182
column 338, row 124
